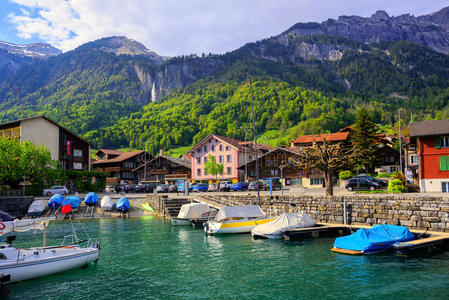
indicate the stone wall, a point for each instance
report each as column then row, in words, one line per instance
column 16, row 205
column 426, row 213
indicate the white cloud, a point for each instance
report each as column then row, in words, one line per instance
column 173, row 27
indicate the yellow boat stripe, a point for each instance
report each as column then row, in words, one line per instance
column 245, row 224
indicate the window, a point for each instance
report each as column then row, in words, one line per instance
column 250, row 158
column 444, row 163
column 229, row 158
column 444, row 142
column 445, row 187
column 199, row 150
column 205, row 159
column 229, row 170
column 77, row 166
column 228, row 148
column 213, row 147
column 413, row 159
column 220, row 147
column 220, row 159
column 198, row 160
column 311, row 171
column 78, row 152
column 205, row 148
column 129, row 164
column 127, row 175
column 316, row 181
column 198, row 172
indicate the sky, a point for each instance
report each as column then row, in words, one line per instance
column 175, row 27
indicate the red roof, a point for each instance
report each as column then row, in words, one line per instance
column 330, row 137
column 120, row 158
column 109, row 151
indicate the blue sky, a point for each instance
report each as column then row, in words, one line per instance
column 174, row 27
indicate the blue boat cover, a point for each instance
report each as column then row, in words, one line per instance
column 91, row 199
column 55, row 200
column 377, row 238
column 123, row 204
column 74, row 202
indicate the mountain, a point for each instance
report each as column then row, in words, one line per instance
column 311, row 78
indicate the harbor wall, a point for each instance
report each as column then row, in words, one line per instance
column 421, row 212
column 15, row 205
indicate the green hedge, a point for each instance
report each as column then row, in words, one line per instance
column 396, row 186
column 344, row 175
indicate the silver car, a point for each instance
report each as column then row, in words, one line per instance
column 56, row 189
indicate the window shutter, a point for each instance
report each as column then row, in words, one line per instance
column 444, row 163
column 437, row 142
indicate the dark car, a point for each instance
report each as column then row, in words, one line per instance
column 277, row 185
column 162, row 188
column 149, row 187
column 252, row 186
column 239, row 186
column 140, row 188
column 381, row 182
column 172, row 189
column 119, row 188
column 130, row 188
column 361, row 184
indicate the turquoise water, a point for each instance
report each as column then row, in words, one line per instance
column 148, row 258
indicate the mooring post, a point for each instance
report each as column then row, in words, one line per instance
column 344, row 211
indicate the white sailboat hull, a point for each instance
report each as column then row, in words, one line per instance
column 51, row 261
column 180, row 222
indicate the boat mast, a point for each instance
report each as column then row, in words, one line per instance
column 44, row 235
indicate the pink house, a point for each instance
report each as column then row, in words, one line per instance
column 229, row 152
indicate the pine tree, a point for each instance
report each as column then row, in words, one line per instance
column 365, row 148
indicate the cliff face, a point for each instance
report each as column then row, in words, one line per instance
column 429, row 30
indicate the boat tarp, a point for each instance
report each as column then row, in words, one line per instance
column 36, row 207
column 91, row 199
column 74, row 202
column 374, row 239
column 24, row 225
column 123, row 204
column 250, row 211
column 193, row 210
column 285, row 222
column 55, row 201
column 106, row 203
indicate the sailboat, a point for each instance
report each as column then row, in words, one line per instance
column 23, row 264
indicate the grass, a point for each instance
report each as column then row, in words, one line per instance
column 377, row 192
column 275, row 138
column 176, row 152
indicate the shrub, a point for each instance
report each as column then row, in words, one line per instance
column 400, row 176
column 344, row 175
column 396, row 186
column 384, row 175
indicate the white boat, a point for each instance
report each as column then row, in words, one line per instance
column 287, row 221
column 22, row 264
column 239, row 219
column 36, row 208
column 106, row 203
column 191, row 211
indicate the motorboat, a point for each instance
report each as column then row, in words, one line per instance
column 36, row 208
column 23, row 264
column 55, row 201
column 74, row 202
column 239, row 219
column 285, row 222
column 106, row 203
column 91, row 199
column 123, row 204
column 191, row 211
column 376, row 239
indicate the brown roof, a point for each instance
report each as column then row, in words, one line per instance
column 330, row 137
column 250, row 144
column 232, row 142
column 109, row 151
column 176, row 160
column 124, row 156
column 291, row 150
column 428, row 128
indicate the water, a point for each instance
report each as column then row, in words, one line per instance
column 148, row 258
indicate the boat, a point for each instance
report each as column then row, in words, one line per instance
column 239, row 219
column 376, row 239
column 55, row 201
column 285, row 222
column 147, row 207
column 73, row 201
column 22, row 264
column 91, row 199
column 191, row 211
column 106, row 203
column 36, row 208
column 204, row 218
column 123, row 204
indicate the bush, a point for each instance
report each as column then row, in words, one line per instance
column 396, row 186
column 400, row 176
column 344, row 175
column 384, row 175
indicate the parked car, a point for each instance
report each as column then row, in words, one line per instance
column 162, row 188
column 109, row 189
column 119, row 188
column 252, row 186
column 361, row 184
column 277, row 185
column 140, row 188
column 56, row 189
column 149, row 187
column 200, row 187
column 130, row 188
column 381, row 182
column 213, row 187
column 225, row 186
column 240, row 186
column 192, row 186
column 172, row 189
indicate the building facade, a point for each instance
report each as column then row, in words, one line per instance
column 72, row 151
column 431, row 139
column 164, row 169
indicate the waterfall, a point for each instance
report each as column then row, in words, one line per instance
column 153, row 93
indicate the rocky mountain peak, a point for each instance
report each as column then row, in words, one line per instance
column 35, row 50
column 380, row 15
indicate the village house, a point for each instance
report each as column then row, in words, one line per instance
column 164, row 169
column 229, row 152
column 431, row 139
column 71, row 150
column 120, row 165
